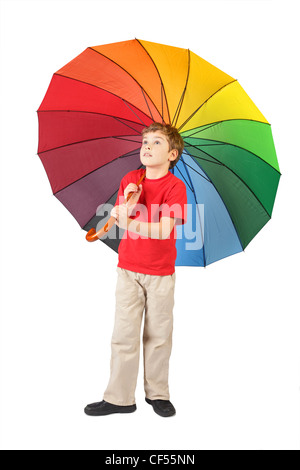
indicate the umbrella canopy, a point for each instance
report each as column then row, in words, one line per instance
column 90, row 124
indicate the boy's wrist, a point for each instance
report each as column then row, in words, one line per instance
column 129, row 221
column 130, row 208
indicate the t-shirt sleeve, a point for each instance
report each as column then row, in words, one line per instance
column 175, row 204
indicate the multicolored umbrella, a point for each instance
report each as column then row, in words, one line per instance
column 90, row 123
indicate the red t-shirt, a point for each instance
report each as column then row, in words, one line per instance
column 162, row 197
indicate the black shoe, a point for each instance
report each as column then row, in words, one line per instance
column 162, row 407
column 102, row 408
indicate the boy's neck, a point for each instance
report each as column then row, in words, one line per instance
column 156, row 173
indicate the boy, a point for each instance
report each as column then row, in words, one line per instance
column 146, row 275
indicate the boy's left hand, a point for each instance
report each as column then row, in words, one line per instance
column 121, row 215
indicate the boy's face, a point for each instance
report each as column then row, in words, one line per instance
column 155, row 150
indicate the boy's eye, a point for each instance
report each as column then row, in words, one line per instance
column 145, row 142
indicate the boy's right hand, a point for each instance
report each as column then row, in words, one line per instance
column 136, row 193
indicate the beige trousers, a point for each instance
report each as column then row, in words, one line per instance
column 135, row 293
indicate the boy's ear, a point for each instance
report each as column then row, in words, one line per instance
column 174, row 155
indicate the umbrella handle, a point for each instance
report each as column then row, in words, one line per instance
column 92, row 235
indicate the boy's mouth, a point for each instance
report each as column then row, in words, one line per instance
column 147, row 154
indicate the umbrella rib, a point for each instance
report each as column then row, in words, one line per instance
column 162, row 103
column 177, row 168
column 103, row 55
column 162, row 84
column 205, row 159
column 221, row 200
column 127, row 104
column 186, row 164
column 210, row 145
column 94, row 112
column 241, row 179
column 147, row 104
column 205, row 127
column 127, row 125
column 103, row 89
column 216, row 162
column 180, row 102
column 208, row 126
column 184, row 91
column 91, row 140
column 193, row 114
column 130, row 154
column 194, row 193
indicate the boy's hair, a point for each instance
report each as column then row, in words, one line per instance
column 171, row 133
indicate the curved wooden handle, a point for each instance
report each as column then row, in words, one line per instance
column 92, row 235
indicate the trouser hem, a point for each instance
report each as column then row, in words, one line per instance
column 117, row 402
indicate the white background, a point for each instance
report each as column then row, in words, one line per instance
column 234, row 375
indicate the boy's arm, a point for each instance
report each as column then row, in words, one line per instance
column 158, row 230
